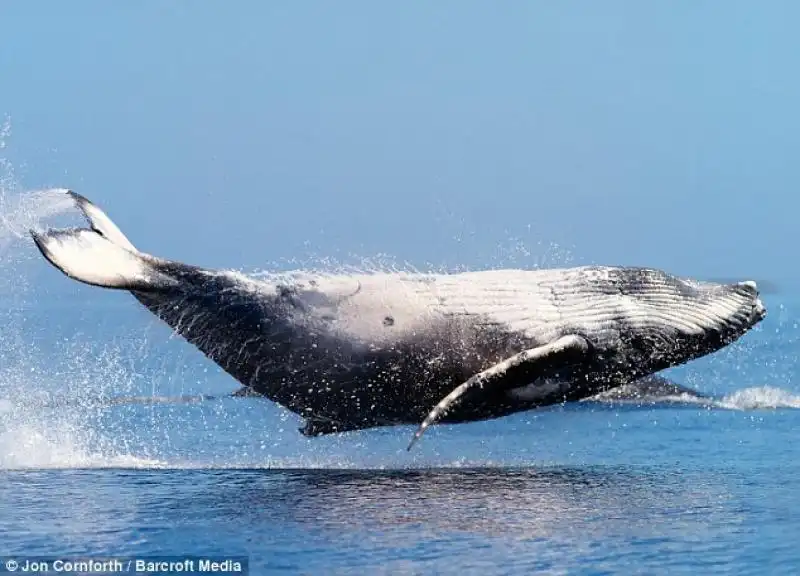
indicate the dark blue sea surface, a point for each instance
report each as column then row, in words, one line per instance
column 587, row 488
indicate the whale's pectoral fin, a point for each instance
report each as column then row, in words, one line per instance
column 100, row 255
column 566, row 351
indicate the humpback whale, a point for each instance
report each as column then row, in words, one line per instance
column 355, row 351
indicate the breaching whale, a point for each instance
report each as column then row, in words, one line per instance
column 355, row 351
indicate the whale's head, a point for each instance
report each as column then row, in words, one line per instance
column 730, row 308
column 744, row 306
column 759, row 311
column 669, row 321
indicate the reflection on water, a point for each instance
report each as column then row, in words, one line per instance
column 526, row 518
column 482, row 520
column 525, row 503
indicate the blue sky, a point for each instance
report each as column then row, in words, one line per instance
column 234, row 134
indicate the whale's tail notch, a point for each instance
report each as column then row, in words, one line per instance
column 101, row 223
column 101, row 255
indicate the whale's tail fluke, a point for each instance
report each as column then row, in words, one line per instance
column 100, row 255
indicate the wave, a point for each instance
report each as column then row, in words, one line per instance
column 760, row 398
column 754, row 398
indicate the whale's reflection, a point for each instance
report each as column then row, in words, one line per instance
column 508, row 503
column 482, row 520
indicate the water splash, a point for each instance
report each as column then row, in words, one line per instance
column 760, row 398
column 755, row 398
column 36, row 431
column 32, row 435
column 514, row 252
column 21, row 210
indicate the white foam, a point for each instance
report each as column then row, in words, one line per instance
column 755, row 398
column 763, row 397
column 49, row 444
column 36, row 432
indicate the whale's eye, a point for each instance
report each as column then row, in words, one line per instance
column 388, row 321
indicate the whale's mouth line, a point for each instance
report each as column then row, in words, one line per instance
column 760, row 310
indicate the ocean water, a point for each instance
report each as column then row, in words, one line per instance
column 588, row 488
